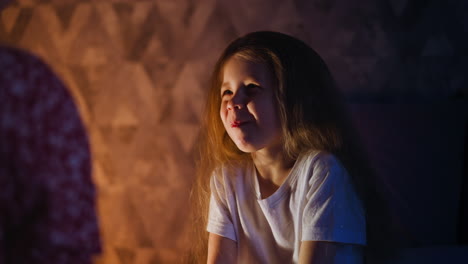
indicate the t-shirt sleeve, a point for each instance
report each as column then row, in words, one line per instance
column 333, row 211
column 219, row 216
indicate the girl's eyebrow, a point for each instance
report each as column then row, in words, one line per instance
column 252, row 79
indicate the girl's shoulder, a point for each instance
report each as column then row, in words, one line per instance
column 230, row 174
column 319, row 158
column 316, row 164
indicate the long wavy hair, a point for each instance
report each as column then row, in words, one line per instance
column 312, row 117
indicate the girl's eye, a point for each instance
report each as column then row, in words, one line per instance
column 252, row 88
column 226, row 92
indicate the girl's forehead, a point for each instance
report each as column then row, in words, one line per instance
column 238, row 66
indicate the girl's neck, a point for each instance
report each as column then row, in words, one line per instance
column 273, row 167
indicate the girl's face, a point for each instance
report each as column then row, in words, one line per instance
column 248, row 106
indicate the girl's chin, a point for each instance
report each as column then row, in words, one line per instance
column 251, row 147
column 247, row 147
column 246, row 150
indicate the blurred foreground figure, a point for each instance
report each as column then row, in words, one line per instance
column 47, row 198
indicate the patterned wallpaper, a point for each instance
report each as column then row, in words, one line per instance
column 138, row 70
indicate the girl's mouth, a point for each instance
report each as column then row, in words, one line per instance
column 237, row 123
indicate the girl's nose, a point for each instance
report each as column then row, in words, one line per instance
column 236, row 103
column 233, row 105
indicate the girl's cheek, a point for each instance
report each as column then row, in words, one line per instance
column 223, row 111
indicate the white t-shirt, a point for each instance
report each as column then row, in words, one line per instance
column 316, row 202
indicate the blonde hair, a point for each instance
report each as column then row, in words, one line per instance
column 310, row 110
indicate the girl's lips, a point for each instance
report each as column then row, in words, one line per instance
column 237, row 123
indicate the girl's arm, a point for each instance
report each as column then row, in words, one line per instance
column 221, row 250
column 317, row 252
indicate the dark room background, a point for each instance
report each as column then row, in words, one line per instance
column 138, row 70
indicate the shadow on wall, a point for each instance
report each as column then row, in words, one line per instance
column 48, row 199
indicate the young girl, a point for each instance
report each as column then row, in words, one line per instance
column 279, row 178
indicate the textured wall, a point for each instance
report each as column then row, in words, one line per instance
column 138, row 71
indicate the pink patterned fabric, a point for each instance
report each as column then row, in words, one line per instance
column 47, row 197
